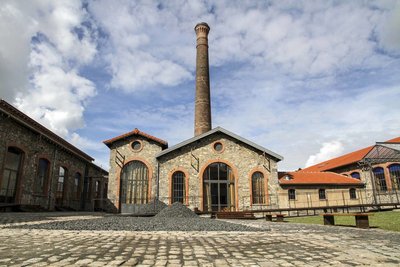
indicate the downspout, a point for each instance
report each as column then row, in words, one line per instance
column 85, row 187
column 158, row 181
column 53, row 173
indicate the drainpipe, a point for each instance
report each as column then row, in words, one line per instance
column 158, row 181
column 85, row 187
column 53, row 173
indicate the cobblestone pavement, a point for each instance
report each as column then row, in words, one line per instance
column 283, row 244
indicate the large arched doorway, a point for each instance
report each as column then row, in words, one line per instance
column 134, row 186
column 11, row 173
column 218, row 188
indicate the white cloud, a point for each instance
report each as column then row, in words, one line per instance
column 328, row 151
column 58, row 93
column 48, row 44
column 288, row 75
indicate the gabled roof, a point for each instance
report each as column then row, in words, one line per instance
column 136, row 131
column 226, row 132
column 37, row 127
column 344, row 160
column 317, row 178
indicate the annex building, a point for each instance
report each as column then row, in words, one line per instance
column 41, row 171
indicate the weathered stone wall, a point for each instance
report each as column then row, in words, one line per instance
column 34, row 147
column 146, row 155
column 243, row 159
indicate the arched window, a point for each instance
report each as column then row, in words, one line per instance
column 62, row 175
column 394, row 171
column 353, row 194
column 42, row 176
column 322, row 194
column 105, row 190
column 178, row 187
column 218, row 187
column 134, row 183
column 355, row 175
column 258, row 188
column 77, row 186
column 11, row 173
column 292, row 194
column 97, row 189
column 380, row 180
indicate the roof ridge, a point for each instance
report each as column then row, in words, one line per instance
column 135, row 131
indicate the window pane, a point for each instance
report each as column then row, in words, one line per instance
column 42, row 175
column 178, row 187
column 380, row 178
column 258, row 185
column 134, row 180
column 13, row 160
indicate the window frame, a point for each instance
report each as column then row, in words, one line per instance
column 291, row 194
column 322, row 194
column 258, row 198
column 178, row 194
column 353, row 193
column 380, row 179
column 42, row 178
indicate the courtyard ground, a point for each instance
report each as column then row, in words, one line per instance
column 25, row 240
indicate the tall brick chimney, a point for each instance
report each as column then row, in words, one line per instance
column 202, row 113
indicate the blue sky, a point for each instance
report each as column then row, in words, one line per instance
column 309, row 80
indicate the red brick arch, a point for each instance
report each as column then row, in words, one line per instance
column 266, row 178
column 178, row 169
column 235, row 174
column 118, row 176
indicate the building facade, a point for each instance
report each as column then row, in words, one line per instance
column 40, row 169
column 214, row 171
column 380, row 177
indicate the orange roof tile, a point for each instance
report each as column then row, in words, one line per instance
column 302, row 177
column 344, row 160
column 136, row 131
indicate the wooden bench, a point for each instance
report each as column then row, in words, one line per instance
column 279, row 217
column 235, row 215
column 362, row 220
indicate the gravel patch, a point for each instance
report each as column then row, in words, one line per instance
column 122, row 223
column 176, row 210
column 152, row 207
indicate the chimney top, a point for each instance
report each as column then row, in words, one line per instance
column 202, row 24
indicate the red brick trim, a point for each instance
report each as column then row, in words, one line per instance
column 178, row 169
column 235, row 173
column 118, row 179
column 20, row 178
column 136, row 131
column 46, row 182
column 265, row 174
column 141, row 145
column 213, row 146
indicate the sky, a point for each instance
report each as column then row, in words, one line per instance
column 309, row 80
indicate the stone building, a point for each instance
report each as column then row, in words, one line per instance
column 39, row 169
column 213, row 171
column 376, row 167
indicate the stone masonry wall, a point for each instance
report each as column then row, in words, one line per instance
column 34, row 147
column 146, row 155
column 243, row 159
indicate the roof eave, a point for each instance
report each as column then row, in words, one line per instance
column 222, row 130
